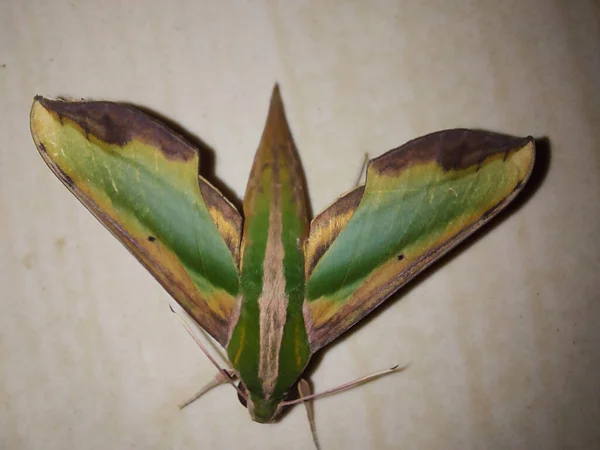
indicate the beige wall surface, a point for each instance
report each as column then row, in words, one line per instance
column 502, row 338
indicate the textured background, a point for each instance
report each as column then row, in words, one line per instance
column 503, row 337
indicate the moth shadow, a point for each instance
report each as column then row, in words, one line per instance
column 207, row 153
column 540, row 171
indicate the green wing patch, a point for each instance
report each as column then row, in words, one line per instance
column 141, row 181
column 419, row 201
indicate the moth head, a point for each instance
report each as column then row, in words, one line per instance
column 261, row 410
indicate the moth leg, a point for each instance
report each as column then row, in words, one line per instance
column 304, row 390
column 363, row 170
column 218, row 380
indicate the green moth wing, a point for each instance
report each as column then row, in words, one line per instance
column 141, row 181
column 419, row 201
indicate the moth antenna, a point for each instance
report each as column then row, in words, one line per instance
column 305, row 391
column 222, row 371
column 345, row 386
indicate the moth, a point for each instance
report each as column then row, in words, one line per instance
column 270, row 286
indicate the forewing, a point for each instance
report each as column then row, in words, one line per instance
column 419, row 201
column 141, row 181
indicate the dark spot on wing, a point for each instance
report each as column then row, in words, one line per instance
column 151, row 238
column 400, row 257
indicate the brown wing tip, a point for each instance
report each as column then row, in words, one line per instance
column 39, row 103
column 47, row 103
column 37, row 100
